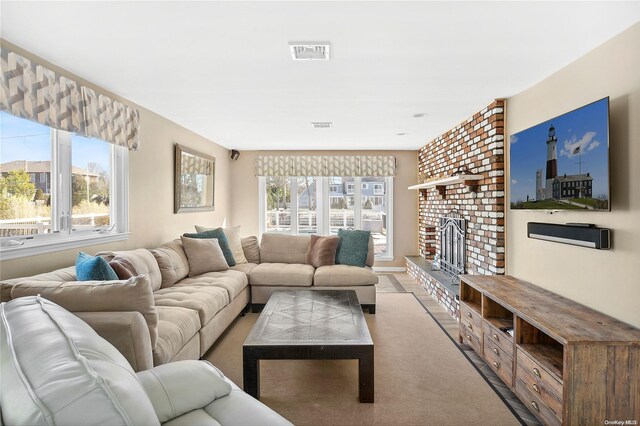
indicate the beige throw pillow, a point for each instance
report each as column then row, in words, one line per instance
column 233, row 238
column 251, row 249
column 204, row 255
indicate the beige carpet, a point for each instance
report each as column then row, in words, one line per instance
column 421, row 378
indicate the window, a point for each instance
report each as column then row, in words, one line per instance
column 325, row 204
column 58, row 190
column 278, row 204
column 307, row 212
column 350, row 188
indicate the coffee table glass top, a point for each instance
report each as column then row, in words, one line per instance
column 305, row 317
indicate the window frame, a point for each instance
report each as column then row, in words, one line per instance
column 62, row 236
column 323, row 193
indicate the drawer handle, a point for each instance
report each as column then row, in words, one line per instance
column 536, row 372
column 536, row 388
column 470, row 326
column 496, row 351
column 496, row 364
column 535, row 405
column 469, row 314
column 495, row 336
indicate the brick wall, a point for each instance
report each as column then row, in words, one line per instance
column 478, row 145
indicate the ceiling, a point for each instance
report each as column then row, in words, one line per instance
column 224, row 70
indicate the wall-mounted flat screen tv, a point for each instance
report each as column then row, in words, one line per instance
column 563, row 163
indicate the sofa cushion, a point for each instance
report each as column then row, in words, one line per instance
column 322, row 250
column 93, row 268
column 142, row 260
column 245, row 268
column 233, row 282
column 205, row 300
column 344, row 275
column 204, row 255
column 251, row 249
column 176, row 326
column 134, row 295
column 282, row 248
column 172, row 262
column 219, row 235
column 353, row 247
column 282, row 274
column 54, row 366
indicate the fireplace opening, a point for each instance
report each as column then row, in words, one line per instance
column 452, row 232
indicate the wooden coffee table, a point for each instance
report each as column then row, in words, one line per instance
column 310, row 325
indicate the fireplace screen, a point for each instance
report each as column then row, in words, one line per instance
column 452, row 244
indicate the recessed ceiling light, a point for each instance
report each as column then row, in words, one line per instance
column 309, row 50
column 321, row 124
column 420, row 115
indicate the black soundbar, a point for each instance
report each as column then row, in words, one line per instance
column 578, row 234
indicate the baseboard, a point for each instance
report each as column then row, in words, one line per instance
column 389, row 269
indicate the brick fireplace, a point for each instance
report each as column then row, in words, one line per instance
column 474, row 147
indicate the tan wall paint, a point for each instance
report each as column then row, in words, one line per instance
column 604, row 280
column 151, row 217
column 244, row 197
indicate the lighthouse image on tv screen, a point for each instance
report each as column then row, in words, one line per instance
column 563, row 163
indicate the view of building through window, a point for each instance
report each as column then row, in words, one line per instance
column 29, row 189
column 90, row 182
column 307, row 205
column 346, row 202
column 25, row 181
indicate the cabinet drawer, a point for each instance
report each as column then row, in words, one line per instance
column 471, row 328
column 499, row 361
column 539, row 382
column 470, row 338
column 471, row 316
column 536, row 405
column 500, row 338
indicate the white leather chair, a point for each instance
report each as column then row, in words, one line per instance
column 55, row 369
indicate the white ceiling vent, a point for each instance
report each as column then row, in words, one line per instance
column 309, row 50
column 321, row 124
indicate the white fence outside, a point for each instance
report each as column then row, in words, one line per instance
column 42, row 225
column 280, row 220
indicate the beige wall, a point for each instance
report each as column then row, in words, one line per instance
column 151, row 217
column 244, row 197
column 608, row 281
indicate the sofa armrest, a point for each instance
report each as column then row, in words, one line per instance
column 182, row 386
column 127, row 331
column 134, row 294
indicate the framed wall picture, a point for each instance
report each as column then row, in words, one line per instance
column 194, row 181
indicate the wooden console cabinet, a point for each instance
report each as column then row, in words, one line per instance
column 570, row 364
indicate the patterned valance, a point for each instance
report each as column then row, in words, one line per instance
column 110, row 120
column 34, row 92
column 334, row 165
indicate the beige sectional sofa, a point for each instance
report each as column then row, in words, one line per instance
column 283, row 267
column 164, row 315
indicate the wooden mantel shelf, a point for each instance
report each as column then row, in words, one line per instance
column 441, row 184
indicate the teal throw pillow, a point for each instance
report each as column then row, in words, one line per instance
column 93, row 268
column 353, row 247
column 218, row 234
